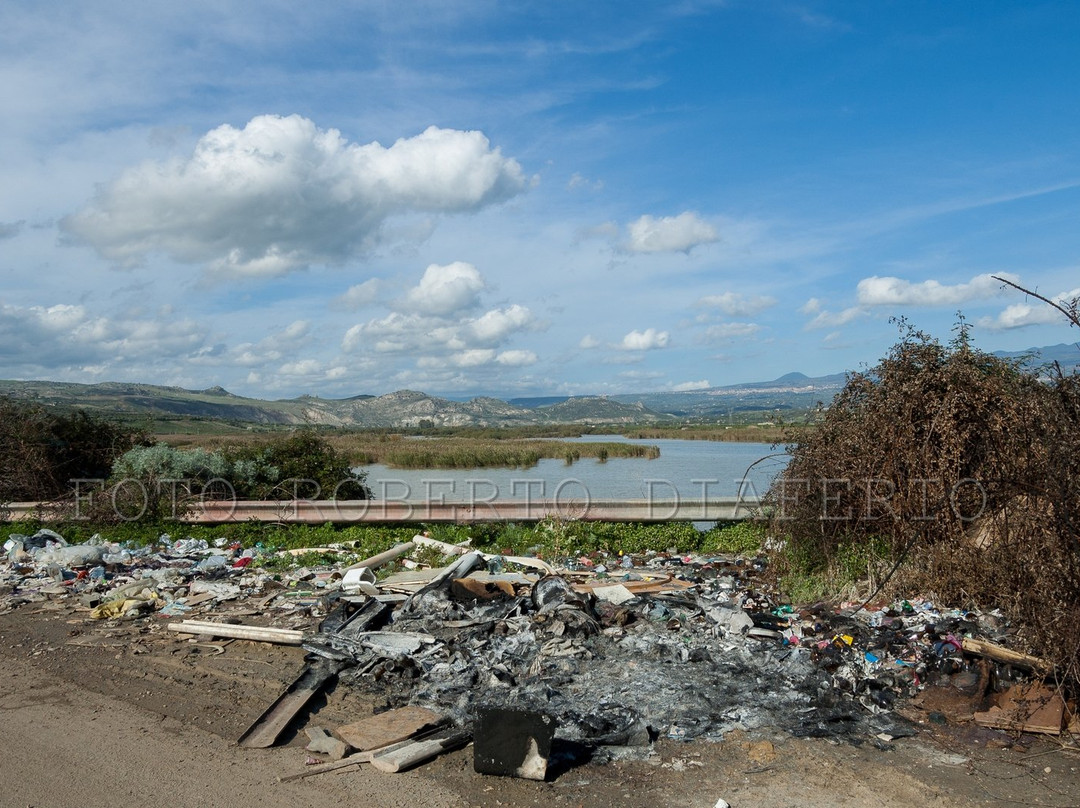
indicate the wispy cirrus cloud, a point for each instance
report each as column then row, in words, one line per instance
column 721, row 332
column 824, row 318
column 735, row 304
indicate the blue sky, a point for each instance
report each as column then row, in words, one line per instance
column 526, row 198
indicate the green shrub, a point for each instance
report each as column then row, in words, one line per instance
column 163, row 480
column 738, row 538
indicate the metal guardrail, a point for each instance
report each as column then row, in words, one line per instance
column 376, row 511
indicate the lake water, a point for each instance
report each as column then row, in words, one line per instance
column 685, row 470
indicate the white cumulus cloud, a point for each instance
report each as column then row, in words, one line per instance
column 516, row 358
column 72, row 337
column 473, row 357
column 1019, row 315
column 273, row 347
column 435, row 329
column 889, row 291
column 446, row 289
column 359, row 295
column 281, row 194
column 669, row 233
column 298, row 329
column 646, row 340
column 302, row 367
column 496, row 325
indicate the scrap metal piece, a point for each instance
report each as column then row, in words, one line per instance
column 268, row 727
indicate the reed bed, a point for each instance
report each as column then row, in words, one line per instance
column 471, row 453
column 736, row 434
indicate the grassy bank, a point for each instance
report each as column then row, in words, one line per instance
column 552, row 539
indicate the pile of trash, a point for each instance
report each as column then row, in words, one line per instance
column 614, row 654
column 117, row 580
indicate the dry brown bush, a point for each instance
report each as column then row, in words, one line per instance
column 964, row 468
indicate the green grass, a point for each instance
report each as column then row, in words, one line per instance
column 551, row 539
column 806, row 576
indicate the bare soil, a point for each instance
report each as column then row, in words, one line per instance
column 125, row 713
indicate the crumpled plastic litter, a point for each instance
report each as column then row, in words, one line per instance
column 120, row 608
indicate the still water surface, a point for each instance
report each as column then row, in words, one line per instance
column 685, row 470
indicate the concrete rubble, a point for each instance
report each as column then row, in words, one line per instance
column 609, row 653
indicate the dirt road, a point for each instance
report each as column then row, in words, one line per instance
column 97, row 714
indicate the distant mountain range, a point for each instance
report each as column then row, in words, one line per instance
column 792, row 391
column 407, row 409
column 1066, row 354
column 404, row 409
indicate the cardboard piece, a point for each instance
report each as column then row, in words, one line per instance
column 1030, row 707
column 388, row 728
column 475, row 589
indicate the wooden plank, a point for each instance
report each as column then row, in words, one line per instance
column 354, row 759
column 311, row 771
column 466, row 588
column 269, row 726
column 415, row 753
column 999, row 653
column 195, row 600
column 279, row 636
column 411, row 578
column 387, row 728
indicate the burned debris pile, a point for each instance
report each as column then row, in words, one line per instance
column 610, row 666
column 609, row 656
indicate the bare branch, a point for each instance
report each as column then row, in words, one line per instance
column 1070, row 310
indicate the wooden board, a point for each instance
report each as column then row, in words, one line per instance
column 1001, row 654
column 413, row 754
column 269, row 726
column 387, row 728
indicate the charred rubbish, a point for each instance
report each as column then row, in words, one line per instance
column 613, row 656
